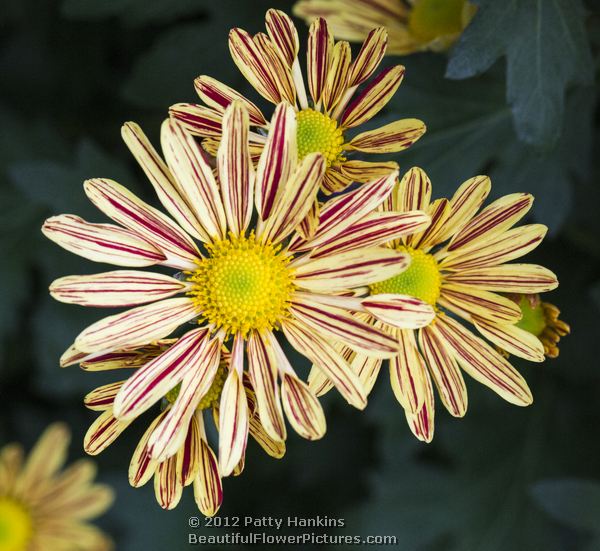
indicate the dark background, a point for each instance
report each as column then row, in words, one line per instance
column 502, row 478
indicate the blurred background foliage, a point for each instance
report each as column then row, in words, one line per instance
column 516, row 98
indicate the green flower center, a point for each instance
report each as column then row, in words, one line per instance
column 213, row 394
column 317, row 133
column 432, row 18
column 534, row 319
column 242, row 285
column 15, row 526
column 421, row 280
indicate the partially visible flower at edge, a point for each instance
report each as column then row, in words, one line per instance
column 245, row 286
column 194, row 463
column 270, row 63
column 460, row 267
column 413, row 25
column 43, row 508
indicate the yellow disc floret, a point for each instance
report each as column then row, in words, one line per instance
column 421, row 279
column 15, row 526
column 317, row 133
column 243, row 284
column 430, row 19
column 213, row 394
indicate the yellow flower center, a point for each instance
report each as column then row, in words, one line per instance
column 432, row 18
column 242, row 285
column 213, row 394
column 534, row 319
column 317, row 133
column 421, row 280
column 15, row 525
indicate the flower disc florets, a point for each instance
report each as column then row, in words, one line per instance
column 317, row 133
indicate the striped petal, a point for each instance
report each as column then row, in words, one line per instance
column 142, row 467
column 196, row 180
column 439, row 210
column 318, row 57
column 233, row 423
column 340, row 325
column 422, row 423
column 283, row 35
column 262, row 367
column 373, row 98
column 137, row 326
column 501, row 248
column 258, row 61
column 190, row 453
column 369, row 57
column 167, row 484
column 465, row 203
column 508, row 278
column 157, row 172
column 366, row 171
column 483, row 363
column 197, row 119
column 295, row 200
column 337, row 75
column 367, row 368
column 274, row 448
column 408, row 376
column 413, row 191
column 103, row 432
column 112, row 289
column 493, row 220
column 512, row 339
column 126, row 209
column 445, row 372
column 319, row 351
column 342, row 212
column 102, row 398
column 374, row 229
column 208, row 490
column 236, row 174
column 152, row 381
column 220, row 96
column 278, row 159
column 391, row 138
column 303, row 410
column 467, row 302
column 356, row 268
column 101, row 242
column 200, row 373
column 400, row 311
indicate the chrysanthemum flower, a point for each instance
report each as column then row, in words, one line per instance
column 244, row 286
column 459, row 265
column 44, row 508
column 542, row 320
column 194, row 463
column 270, row 63
column 413, row 25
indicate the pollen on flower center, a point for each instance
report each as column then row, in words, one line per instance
column 432, row 18
column 421, row 279
column 15, row 526
column 242, row 285
column 317, row 133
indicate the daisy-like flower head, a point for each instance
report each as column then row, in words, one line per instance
column 251, row 280
column 542, row 320
column 460, row 266
column 42, row 507
column 413, row 25
column 331, row 109
column 194, row 462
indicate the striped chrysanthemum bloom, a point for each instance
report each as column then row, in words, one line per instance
column 246, row 283
column 460, row 266
column 327, row 114
column 45, row 507
column 194, row 463
column 412, row 25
